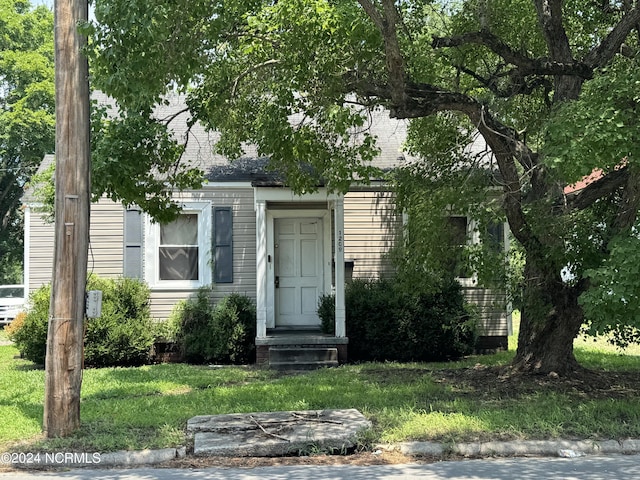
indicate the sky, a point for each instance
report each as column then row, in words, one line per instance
column 49, row 3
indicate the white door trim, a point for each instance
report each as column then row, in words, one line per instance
column 265, row 277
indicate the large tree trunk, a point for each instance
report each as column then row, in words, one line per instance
column 550, row 320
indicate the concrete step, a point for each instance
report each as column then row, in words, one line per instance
column 269, row 434
column 302, row 358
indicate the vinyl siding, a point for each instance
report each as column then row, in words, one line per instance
column 40, row 251
column 106, row 247
column 491, row 308
column 241, row 202
column 370, row 229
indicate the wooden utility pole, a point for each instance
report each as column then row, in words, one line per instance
column 63, row 365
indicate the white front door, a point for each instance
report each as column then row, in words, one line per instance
column 298, row 270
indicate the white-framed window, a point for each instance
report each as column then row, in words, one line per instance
column 178, row 254
column 464, row 231
column 179, row 249
column 460, row 229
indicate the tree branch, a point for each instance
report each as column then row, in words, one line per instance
column 525, row 64
column 604, row 186
column 529, row 73
column 518, row 84
column 170, row 118
column 372, row 12
column 550, row 19
column 423, row 100
column 551, row 22
column 387, row 24
column 612, row 44
column 249, row 71
column 628, row 211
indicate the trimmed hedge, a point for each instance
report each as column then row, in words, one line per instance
column 386, row 322
column 216, row 333
column 121, row 336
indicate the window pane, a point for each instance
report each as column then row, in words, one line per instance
column 223, row 245
column 178, row 263
column 495, row 236
column 182, row 231
column 457, row 240
column 458, row 226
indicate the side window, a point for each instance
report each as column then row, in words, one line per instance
column 178, row 251
column 132, row 264
column 222, row 245
column 458, row 238
column 495, row 236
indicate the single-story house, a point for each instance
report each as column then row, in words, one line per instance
column 245, row 231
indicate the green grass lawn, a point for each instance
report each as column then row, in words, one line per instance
column 148, row 407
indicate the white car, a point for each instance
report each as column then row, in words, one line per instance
column 11, row 302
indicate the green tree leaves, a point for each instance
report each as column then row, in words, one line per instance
column 137, row 160
column 613, row 306
column 601, row 129
column 550, row 86
column 27, row 124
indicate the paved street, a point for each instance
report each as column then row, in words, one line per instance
column 618, row 467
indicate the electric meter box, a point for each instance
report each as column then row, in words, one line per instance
column 94, row 303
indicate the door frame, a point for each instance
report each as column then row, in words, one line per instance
column 332, row 209
column 325, row 218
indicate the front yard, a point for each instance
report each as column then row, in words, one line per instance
column 147, row 407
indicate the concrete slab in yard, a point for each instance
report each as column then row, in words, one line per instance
column 269, row 434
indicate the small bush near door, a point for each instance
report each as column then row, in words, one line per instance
column 386, row 322
column 121, row 336
column 216, row 333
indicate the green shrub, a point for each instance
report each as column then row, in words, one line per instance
column 121, row 336
column 221, row 333
column 235, row 330
column 31, row 336
column 170, row 329
column 386, row 322
column 124, row 334
column 327, row 313
column 196, row 330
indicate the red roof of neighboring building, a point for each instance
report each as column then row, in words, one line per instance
column 597, row 174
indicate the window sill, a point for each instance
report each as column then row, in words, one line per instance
column 173, row 286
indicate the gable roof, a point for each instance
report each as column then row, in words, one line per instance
column 253, row 168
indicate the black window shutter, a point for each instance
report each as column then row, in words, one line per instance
column 222, row 245
column 132, row 267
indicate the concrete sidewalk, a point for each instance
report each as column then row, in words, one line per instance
column 434, row 450
column 618, row 467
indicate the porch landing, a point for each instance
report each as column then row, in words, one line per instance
column 300, row 349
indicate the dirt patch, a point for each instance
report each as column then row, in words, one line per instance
column 492, row 382
column 361, row 458
column 498, row 382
